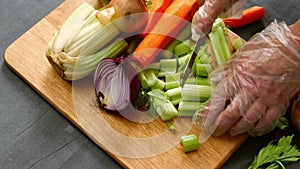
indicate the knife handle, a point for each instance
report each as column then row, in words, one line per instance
column 250, row 15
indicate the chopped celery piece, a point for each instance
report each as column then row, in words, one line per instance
column 217, row 24
column 182, row 61
column 189, row 106
column 157, row 96
column 166, row 111
column 172, row 81
column 182, row 36
column 191, row 80
column 219, row 42
column 174, row 93
column 190, row 142
column 170, row 126
column 168, row 53
column 205, row 59
column 186, row 113
column 192, row 92
column 167, row 66
column 155, row 66
column 203, row 81
column 237, row 43
column 175, row 101
column 203, row 69
column 148, row 78
column 159, row 85
column 182, row 48
column 172, row 85
column 173, row 77
column 199, row 59
column 203, row 50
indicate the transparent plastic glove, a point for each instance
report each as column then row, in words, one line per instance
column 255, row 87
column 210, row 10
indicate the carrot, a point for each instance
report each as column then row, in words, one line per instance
column 249, row 15
column 155, row 12
column 169, row 25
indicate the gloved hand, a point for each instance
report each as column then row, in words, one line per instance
column 210, row 10
column 255, row 87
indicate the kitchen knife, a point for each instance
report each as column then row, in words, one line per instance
column 187, row 70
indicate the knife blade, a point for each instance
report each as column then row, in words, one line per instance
column 187, row 70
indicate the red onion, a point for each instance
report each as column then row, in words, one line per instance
column 112, row 81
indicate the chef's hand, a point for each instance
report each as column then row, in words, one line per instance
column 210, row 10
column 254, row 89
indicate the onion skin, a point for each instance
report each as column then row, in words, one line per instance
column 295, row 114
column 121, row 14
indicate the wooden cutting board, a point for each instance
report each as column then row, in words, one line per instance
column 26, row 56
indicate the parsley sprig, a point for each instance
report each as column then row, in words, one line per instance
column 276, row 156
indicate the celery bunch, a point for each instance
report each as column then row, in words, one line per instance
column 81, row 42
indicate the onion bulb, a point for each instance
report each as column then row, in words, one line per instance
column 131, row 14
column 112, row 83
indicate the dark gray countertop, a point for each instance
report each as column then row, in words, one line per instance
column 35, row 135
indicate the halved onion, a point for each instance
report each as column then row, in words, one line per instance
column 112, row 81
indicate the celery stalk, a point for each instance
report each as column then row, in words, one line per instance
column 219, row 42
column 81, row 42
column 75, row 22
column 74, row 68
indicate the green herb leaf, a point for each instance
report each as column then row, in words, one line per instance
column 275, row 156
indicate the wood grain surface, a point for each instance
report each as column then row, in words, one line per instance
column 26, row 56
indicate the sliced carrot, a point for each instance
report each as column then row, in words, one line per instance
column 169, row 25
column 160, row 5
column 155, row 12
column 249, row 15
